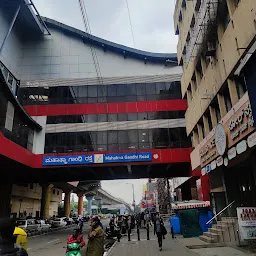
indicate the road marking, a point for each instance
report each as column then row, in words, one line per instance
column 53, row 241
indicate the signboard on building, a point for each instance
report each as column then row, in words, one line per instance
column 229, row 135
column 97, row 159
column 247, row 222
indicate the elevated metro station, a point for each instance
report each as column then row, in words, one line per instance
column 75, row 107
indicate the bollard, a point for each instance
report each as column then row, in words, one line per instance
column 138, row 233
column 172, row 232
column 129, row 234
column 147, row 231
column 118, row 238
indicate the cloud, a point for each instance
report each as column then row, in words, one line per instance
column 152, row 20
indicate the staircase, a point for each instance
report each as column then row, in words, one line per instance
column 225, row 231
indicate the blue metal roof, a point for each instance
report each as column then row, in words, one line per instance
column 166, row 58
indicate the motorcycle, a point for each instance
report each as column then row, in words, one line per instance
column 113, row 232
column 73, row 249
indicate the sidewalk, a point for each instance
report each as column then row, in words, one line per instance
column 149, row 248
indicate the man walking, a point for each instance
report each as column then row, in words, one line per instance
column 160, row 230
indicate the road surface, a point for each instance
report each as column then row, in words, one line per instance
column 52, row 244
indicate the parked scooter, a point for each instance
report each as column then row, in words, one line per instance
column 74, row 249
column 113, row 231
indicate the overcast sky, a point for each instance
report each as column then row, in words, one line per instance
column 152, row 20
column 152, row 23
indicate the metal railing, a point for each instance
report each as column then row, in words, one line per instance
column 215, row 216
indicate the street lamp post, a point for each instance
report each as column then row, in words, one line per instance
column 133, row 196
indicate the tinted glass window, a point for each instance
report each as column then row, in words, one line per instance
column 122, row 117
column 112, row 117
column 132, row 116
column 121, row 89
column 150, row 89
column 141, row 89
column 142, row 116
column 92, row 118
column 92, row 91
column 102, row 118
column 112, row 90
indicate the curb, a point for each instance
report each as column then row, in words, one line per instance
column 110, row 250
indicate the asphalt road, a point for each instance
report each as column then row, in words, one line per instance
column 52, row 244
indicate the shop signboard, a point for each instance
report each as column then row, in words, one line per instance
column 208, row 152
column 240, row 124
column 97, row 159
column 247, row 222
column 251, row 140
column 230, row 135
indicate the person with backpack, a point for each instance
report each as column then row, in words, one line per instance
column 160, row 230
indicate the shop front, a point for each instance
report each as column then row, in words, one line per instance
column 228, row 156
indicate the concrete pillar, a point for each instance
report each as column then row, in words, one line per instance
column 46, row 200
column 206, row 125
column 213, row 116
column 67, row 203
column 200, row 132
column 80, row 203
column 222, row 106
column 89, row 207
column 5, row 201
column 205, row 186
column 99, row 204
column 232, row 91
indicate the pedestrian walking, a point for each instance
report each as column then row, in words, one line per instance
column 95, row 245
column 160, row 230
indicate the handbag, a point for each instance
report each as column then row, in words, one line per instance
column 164, row 231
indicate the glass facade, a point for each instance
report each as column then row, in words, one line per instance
column 99, row 137
column 116, row 140
column 116, row 117
column 13, row 125
column 100, row 93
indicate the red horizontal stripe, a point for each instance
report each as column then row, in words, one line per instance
column 21, row 155
column 106, row 108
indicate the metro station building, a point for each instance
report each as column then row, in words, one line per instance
column 75, row 107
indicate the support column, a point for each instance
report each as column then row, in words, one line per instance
column 67, row 203
column 46, row 200
column 80, row 203
column 89, row 207
column 5, row 201
column 99, row 204
column 205, row 186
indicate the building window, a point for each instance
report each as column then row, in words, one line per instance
column 224, row 14
column 53, row 191
column 58, row 193
column 217, row 111
column 201, row 125
column 240, row 86
column 184, row 5
column 208, row 116
column 198, row 4
column 180, row 17
column 31, row 186
column 236, row 2
column 194, row 82
column 227, row 98
column 199, row 69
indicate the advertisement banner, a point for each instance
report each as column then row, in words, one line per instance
column 97, row 159
column 247, row 222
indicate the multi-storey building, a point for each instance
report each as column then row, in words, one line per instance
column 75, row 107
column 217, row 51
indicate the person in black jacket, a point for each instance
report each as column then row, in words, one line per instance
column 160, row 230
column 7, row 244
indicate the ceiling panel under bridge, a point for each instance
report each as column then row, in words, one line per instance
column 22, row 173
